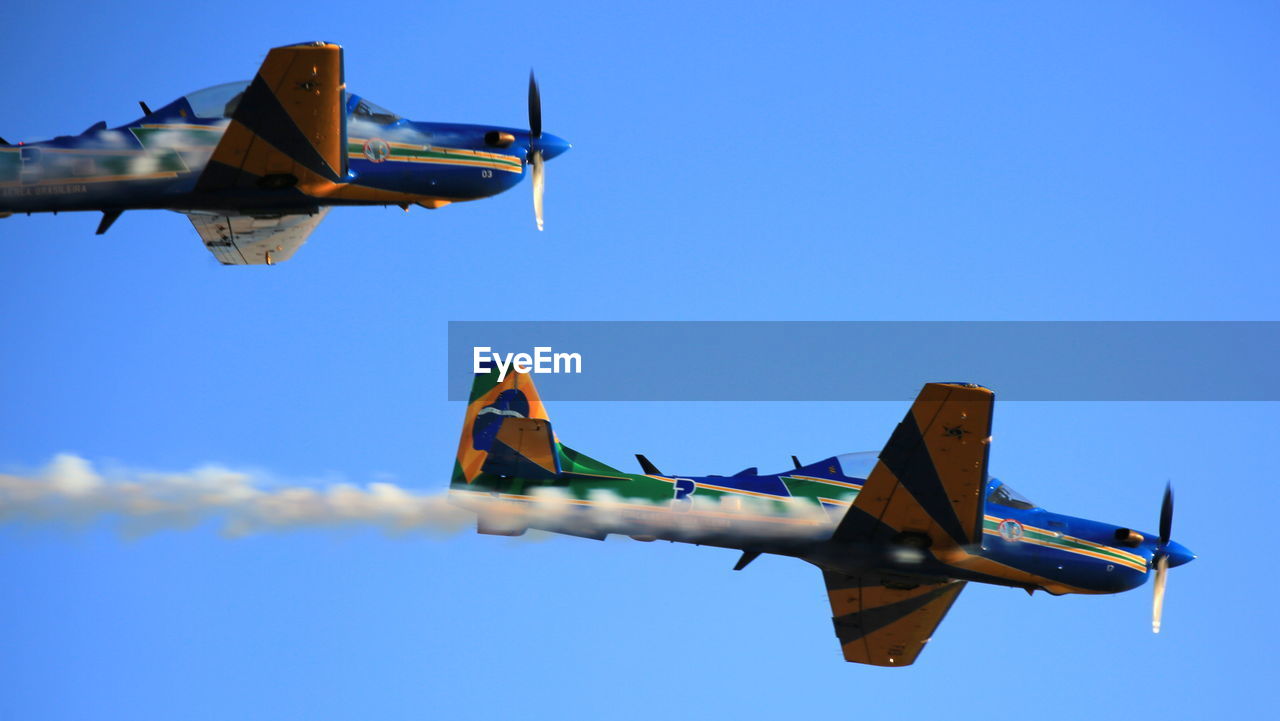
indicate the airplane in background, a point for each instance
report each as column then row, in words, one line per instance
column 256, row 165
column 897, row 535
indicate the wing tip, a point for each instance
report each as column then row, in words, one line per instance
column 310, row 44
column 961, row 384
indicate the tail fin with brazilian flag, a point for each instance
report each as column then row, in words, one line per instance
column 508, row 450
column 506, row 432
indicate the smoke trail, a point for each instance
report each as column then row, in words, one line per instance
column 70, row 491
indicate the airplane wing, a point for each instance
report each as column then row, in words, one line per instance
column 884, row 626
column 289, row 128
column 254, row 240
column 926, row 489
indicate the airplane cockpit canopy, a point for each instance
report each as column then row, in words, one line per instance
column 1003, row 495
column 363, row 109
column 219, row 101
column 858, row 465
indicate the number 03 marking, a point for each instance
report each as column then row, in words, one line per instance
column 486, row 173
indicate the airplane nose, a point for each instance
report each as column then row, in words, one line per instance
column 550, row 145
column 1178, row 554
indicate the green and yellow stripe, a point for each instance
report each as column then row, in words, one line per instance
column 438, row 155
column 1070, row 544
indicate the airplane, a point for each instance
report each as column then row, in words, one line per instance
column 897, row 534
column 256, row 165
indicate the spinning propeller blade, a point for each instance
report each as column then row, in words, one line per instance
column 535, row 108
column 1161, row 558
column 535, row 155
column 1166, row 515
column 1157, row 602
column 539, row 180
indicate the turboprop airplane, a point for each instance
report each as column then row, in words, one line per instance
column 256, row 165
column 896, row 535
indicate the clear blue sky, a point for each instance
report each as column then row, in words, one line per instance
column 771, row 161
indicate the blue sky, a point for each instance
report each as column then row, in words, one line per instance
column 887, row 161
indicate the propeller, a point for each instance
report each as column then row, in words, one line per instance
column 535, row 108
column 535, row 154
column 1161, row 557
column 539, row 184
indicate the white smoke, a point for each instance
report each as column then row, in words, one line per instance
column 70, row 491
column 699, row 519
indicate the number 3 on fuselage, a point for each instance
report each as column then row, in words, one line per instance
column 255, row 165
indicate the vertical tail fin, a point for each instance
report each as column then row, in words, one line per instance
column 506, row 432
column 289, row 128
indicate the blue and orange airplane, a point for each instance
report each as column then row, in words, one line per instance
column 896, row 535
column 256, row 165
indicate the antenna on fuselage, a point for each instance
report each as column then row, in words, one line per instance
column 648, row 467
column 108, row 217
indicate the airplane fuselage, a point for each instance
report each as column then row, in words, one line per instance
column 794, row 514
column 156, row 162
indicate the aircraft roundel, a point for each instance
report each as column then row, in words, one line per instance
column 1010, row 530
column 376, row 149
